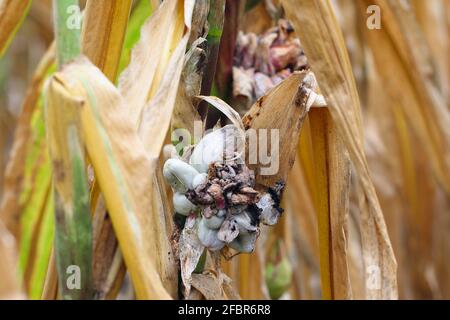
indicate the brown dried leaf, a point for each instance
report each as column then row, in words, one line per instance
column 288, row 101
column 316, row 25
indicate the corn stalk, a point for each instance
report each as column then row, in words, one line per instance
column 73, row 236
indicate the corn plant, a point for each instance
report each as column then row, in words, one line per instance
column 224, row 149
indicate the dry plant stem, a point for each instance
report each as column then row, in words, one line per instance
column 10, row 205
column 233, row 11
column 331, row 200
column 73, row 229
column 215, row 24
column 12, row 13
column 319, row 32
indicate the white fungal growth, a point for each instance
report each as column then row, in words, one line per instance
column 182, row 205
column 199, row 179
column 179, row 174
column 245, row 222
column 214, row 222
column 208, row 237
column 244, row 243
column 269, row 214
column 217, row 146
column 216, row 189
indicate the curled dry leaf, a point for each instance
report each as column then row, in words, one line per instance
column 288, row 101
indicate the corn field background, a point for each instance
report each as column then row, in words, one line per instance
column 100, row 194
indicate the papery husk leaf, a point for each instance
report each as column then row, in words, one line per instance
column 228, row 111
column 139, row 15
column 190, row 251
column 288, row 101
column 154, row 125
column 164, row 30
column 184, row 113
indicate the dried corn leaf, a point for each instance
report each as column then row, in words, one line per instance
column 12, row 13
column 104, row 27
column 160, row 36
column 123, row 170
column 157, row 113
column 14, row 174
column 332, row 181
column 43, row 249
column 431, row 15
column 402, row 42
column 319, row 32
